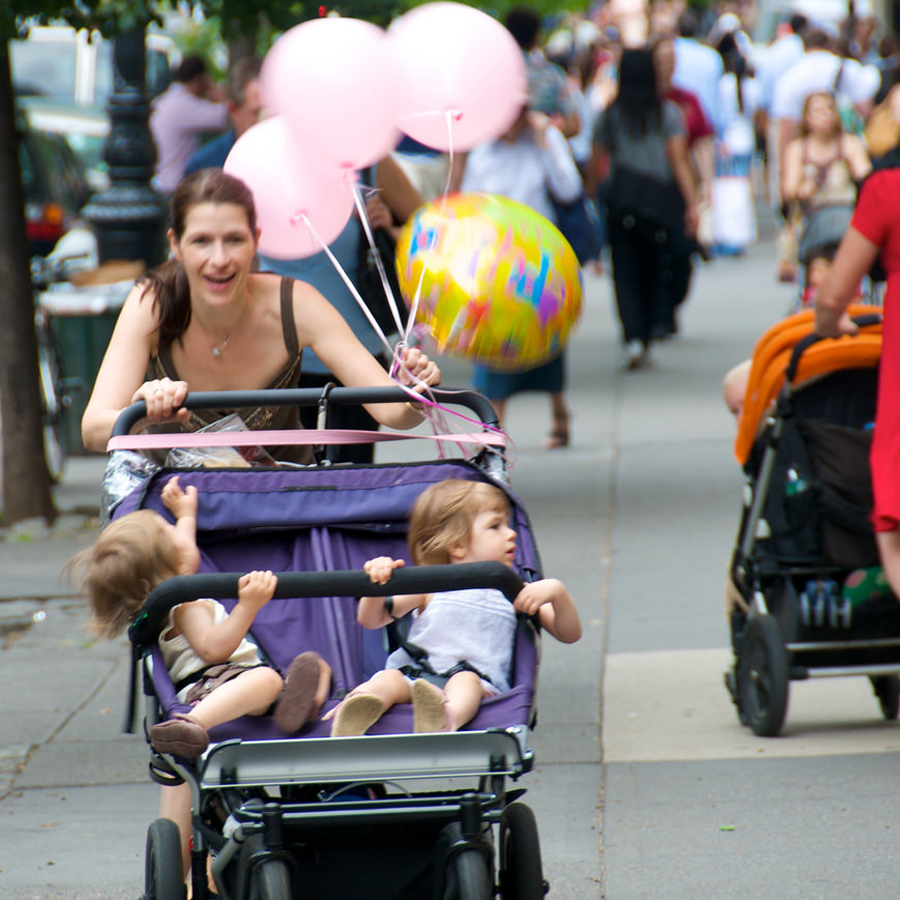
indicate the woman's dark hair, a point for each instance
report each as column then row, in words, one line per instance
column 734, row 62
column 168, row 282
column 638, row 106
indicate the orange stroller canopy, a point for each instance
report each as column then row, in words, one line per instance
column 773, row 353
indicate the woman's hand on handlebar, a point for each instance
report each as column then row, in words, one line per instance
column 163, row 398
column 417, row 370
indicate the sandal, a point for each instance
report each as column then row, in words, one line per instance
column 431, row 711
column 181, row 736
column 556, row 440
column 356, row 715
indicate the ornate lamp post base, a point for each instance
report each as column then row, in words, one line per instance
column 128, row 216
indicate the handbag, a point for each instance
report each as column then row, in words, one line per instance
column 647, row 197
column 368, row 279
column 580, row 226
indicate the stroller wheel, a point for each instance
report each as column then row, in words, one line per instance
column 260, row 878
column 887, row 690
column 521, row 873
column 162, row 874
column 762, row 676
column 468, row 877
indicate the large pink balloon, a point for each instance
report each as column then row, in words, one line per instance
column 453, row 58
column 333, row 82
column 288, row 184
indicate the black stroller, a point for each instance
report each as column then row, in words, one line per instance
column 390, row 814
column 803, row 441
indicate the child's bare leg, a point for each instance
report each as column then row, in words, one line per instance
column 889, row 551
column 464, row 693
column 368, row 702
column 175, row 804
column 249, row 694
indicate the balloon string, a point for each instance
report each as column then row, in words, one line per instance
column 350, row 285
column 370, row 237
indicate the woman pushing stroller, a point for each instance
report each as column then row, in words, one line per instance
column 467, row 635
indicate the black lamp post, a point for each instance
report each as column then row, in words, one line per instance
column 128, row 216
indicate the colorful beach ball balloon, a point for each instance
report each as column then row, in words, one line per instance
column 500, row 285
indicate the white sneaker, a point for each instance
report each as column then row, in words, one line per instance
column 634, row 355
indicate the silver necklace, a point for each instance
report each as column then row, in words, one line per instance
column 217, row 351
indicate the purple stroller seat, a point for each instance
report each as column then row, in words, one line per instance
column 328, row 520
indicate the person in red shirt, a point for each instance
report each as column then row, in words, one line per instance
column 874, row 230
column 701, row 152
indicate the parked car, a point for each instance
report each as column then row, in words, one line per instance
column 85, row 129
column 74, row 67
column 55, row 183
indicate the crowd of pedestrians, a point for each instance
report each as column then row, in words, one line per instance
column 677, row 126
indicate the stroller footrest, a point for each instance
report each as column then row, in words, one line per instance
column 368, row 758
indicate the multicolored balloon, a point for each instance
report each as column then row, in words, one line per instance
column 500, row 285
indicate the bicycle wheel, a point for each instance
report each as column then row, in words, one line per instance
column 162, row 874
column 51, row 406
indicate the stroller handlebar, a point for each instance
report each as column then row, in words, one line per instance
column 144, row 631
column 339, row 396
column 861, row 321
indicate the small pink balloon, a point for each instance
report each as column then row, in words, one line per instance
column 332, row 80
column 456, row 61
column 288, row 185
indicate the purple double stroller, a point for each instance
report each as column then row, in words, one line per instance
column 390, row 814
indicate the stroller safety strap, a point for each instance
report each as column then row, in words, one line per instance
column 277, row 438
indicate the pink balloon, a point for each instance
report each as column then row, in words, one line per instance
column 455, row 59
column 287, row 184
column 332, row 80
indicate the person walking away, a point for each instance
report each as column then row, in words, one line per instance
column 701, row 155
column 698, row 68
column 651, row 199
column 733, row 213
column 771, row 64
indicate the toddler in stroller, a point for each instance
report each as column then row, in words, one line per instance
column 217, row 671
column 460, row 646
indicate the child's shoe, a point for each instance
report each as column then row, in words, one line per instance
column 431, row 712
column 356, row 715
column 181, row 735
column 297, row 704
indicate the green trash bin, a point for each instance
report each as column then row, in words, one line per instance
column 83, row 322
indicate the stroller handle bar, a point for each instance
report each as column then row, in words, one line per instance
column 339, row 396
column 805, row 343
column 144, row 631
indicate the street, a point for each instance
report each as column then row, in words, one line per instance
column 646, row 784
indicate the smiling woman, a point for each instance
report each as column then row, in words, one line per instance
column 204, row 319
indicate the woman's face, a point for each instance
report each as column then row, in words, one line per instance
column 217, row 250
column 821, row 115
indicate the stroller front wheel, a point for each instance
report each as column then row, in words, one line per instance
column 162, row 877
column 468, row 877
column 762, row 676
column 521, row 873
